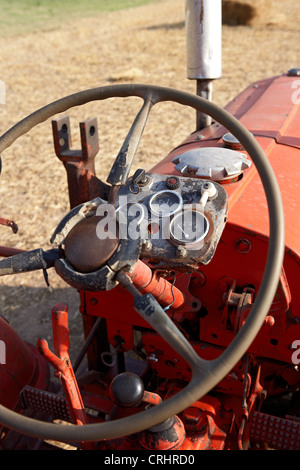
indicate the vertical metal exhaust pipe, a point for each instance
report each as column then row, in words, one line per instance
column 203, row 23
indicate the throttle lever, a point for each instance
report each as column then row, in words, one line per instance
column 29, row 261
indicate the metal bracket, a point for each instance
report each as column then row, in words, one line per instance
column 79, row 164
column 63, row 141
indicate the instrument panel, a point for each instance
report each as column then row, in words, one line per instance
column 179, row 219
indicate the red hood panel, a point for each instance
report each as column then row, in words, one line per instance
column 269, row 110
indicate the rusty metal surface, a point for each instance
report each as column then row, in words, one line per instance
column 47, row 403
column 79, row 164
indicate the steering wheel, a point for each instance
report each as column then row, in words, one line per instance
column 206, row 374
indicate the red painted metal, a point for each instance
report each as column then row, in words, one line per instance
column 62, row 363
column 6, row 251
column 152, row 282
column 267, row 110
column 79, row 164
column 152, row 398
column 227, row 286
column 165, row 437
column 21, row 366
column 9, row 223
column 205, row 430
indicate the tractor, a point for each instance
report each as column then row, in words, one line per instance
column 187, row 275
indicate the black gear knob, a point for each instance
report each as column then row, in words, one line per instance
column 126, row 390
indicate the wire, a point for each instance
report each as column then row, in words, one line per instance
column 173, row 283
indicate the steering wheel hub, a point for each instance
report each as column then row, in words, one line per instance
column 85, row 250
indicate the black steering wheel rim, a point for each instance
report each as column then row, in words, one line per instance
column 231, row 355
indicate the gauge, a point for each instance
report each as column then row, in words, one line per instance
column 188, row 227
column 133, row 210
column 165, row 203
column 132, row 220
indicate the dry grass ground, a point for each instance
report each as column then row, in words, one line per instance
column 145, row 45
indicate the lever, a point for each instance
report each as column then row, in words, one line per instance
column 127, row 390
column 119, row 172
column 139, row 177
column 29, row 261
column 60, row 361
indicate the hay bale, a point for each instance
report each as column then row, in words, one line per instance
column 129, row 75
column 252, row 13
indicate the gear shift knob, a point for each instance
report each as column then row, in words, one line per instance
column 126, row 390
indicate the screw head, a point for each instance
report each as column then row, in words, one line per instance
column 243, row 245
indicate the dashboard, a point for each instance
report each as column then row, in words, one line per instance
column 179, row 219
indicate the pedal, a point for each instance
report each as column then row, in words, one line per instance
column 278, row 433
column 45, row 402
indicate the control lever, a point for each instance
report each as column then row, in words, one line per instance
column 139, row 179
column 119, row 172
column 209, row 191
column 127, row 390
column 29, row 261
column 60, row 361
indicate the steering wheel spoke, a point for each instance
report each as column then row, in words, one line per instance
column 151, row 311
column 120, row 170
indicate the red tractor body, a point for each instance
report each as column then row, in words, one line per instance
column 226, row 287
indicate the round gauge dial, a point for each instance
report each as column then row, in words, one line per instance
column 165, row 203
column 133, row 210
column 188, row 227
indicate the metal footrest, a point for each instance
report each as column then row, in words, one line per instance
column 45, row 402
column 278, row 433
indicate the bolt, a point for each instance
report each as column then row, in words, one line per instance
column 243, row 245
column 195, row 420
column 198, row 280
column 232, row 376
column 152, row 357
column 269, row 320
column 147, row 245
column 181, row 251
